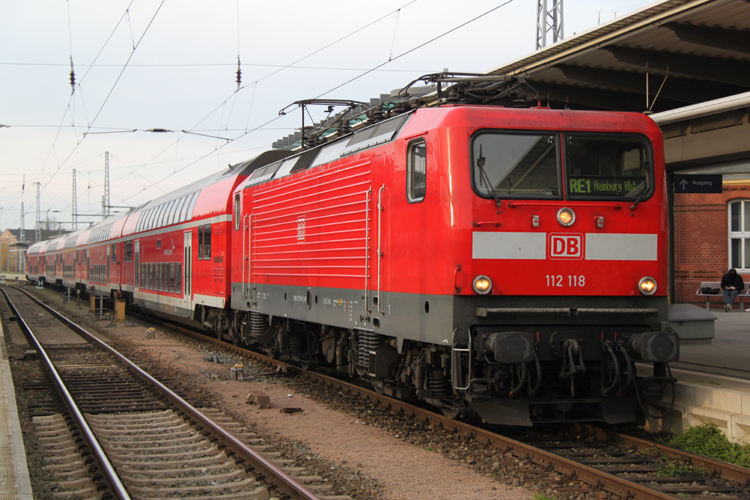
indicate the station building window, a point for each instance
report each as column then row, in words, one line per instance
column 739, row 234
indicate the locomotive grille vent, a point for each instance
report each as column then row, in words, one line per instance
column 368, row 341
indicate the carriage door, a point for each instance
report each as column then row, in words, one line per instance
column 137, row 272
column 188, row 268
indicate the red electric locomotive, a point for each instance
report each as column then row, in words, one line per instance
column 507, row 262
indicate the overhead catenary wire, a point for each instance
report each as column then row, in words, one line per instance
column 67, row 107
column 126, row 16
column 255, row 83
column 109, row 94
column 417, row 47
column 247, row 130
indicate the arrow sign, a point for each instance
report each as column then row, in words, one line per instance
column 709, row 183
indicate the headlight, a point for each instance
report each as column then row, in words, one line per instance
column 566, row 216
column 647, row 285
column 482, row 285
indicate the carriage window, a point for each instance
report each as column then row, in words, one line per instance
column 171, row 277
column 168, row 213
column 162, row 215
column 155, row 220
column 416, row 171
column 178, row 210
column 152, row 218
column 513, row 165
column 178, row 279
column 147, row 222
column 114, row 253
column 237, row 212
column 192, row 205
column 200, row 242
column 608, row 166
column 185, row 206
column 207, row 242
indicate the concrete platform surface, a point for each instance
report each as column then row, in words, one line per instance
column 14, row 475
column 713, row 381
column 729, row 352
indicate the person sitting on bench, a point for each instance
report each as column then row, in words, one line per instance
column 732, row 285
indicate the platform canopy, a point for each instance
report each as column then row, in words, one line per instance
column 685, row 52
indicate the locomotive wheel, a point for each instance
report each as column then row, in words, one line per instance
column 451, row 412
column 272, row 352
column 377, row 386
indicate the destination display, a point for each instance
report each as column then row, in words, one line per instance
column 603, row 187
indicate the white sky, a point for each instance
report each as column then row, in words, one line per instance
column 181, row 76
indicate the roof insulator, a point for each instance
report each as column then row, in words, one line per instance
column 72, row 77
column 239, row 74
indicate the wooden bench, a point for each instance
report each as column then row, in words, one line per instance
column 717, row 284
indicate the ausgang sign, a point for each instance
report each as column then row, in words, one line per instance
column 697, row 183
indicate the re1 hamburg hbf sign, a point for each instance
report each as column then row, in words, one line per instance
column 697, row 183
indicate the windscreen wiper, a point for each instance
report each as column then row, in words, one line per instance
column 480, row 164
column 643, row 193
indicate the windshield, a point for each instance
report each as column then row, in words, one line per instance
column 607, row 166
column 516, row 165
column 526, row 165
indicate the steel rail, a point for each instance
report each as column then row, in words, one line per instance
column 723, row 469
column 105, row 466
column 284, row 483
column 596, row 478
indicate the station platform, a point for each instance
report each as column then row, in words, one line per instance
column 14, row 474
column 713, row 380
column 727, row 354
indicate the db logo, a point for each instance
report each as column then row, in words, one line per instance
column 565, row 246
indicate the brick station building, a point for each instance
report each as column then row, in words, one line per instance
column 711, row 233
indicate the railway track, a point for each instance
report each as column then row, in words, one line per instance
column 580, row 459
column 112, row 431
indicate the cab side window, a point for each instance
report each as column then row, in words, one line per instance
column 416, row 171
column 237, row 212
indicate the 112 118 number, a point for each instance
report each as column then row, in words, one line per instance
column 573, row 280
